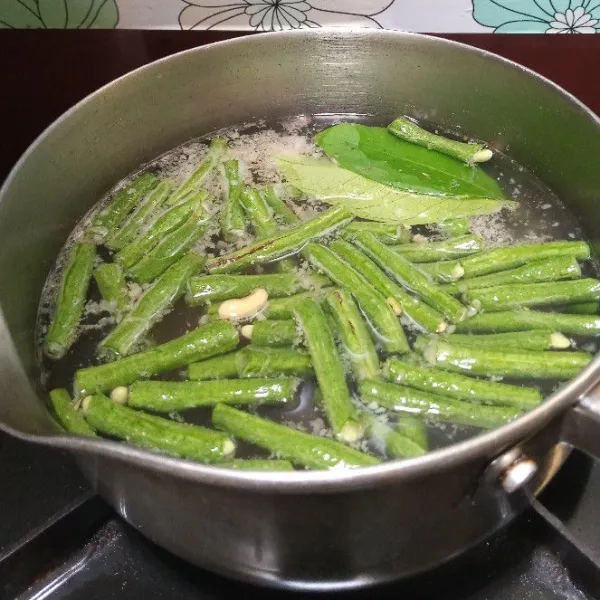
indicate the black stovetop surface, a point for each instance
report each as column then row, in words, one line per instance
column 59, row 541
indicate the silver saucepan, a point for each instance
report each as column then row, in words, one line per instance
column 319, row 530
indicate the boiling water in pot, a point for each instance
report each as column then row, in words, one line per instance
column 539, row 217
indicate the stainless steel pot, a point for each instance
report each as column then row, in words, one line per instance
column 315, row 530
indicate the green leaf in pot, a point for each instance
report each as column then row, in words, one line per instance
column 370, row 200
column 378, row 155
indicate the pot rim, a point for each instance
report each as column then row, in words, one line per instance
column 485, row 445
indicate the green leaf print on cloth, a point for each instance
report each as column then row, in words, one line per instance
column 58, row 14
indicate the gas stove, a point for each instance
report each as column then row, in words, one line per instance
column 60, row 541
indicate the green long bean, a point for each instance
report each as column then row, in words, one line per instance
column 516, row 364
column 140, row 218
column 116, row 211
column 71, row 419
column 581, row 308
column 419, row 314
column 170, row 249
column 259, row 212
column 387, row 233
column 164, row 224
column 452, row 227
column 551, row 269
column 335, row 395
column 233, row 222
column 395, row 444
column 70, row 300
column 156, row 433
column 432, row 406
column 254, row 361
column 519, row 295
column 466, row 152
column 272, row 333
column 205, row 289
column 214, row 154
column 206, row 341
column 307, row 450
column 112, row 285
column 258, row 464
column 371, row 302
column 219, row 367
column 410, row 277
column 523, row 320
column 354, row 334
column 461, row 387
column 537, row 339
column 157, row 301
column 283, row 244
column 445, row 250
column 169, row 396
column 279, row 206
column 510, row 257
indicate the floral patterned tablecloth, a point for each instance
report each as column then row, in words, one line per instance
column 435, row 16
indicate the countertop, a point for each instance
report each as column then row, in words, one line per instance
column 45, row 72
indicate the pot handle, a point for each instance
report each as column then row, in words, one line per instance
column 581, row 426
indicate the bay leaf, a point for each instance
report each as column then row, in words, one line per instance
column 378, row 155
column 329, row 183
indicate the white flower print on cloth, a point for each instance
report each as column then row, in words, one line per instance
column 277, row 15
column 538, row 16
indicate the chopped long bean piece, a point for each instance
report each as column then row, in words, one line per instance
column 164, row 224
column 70, row 300
column 168, row 396
column 206, row 341
column 214, row 154
column 414, row 429
column 523, row 320
column 395, row 444
column 71, row 419
column 537, row 339
column 419, row 313
column 337, row 402
column 205, row 289
column 272, row 333
column 303, row 449
column 461, row 387
column 112, row 285
column 551, row 269
column 387, row 233
column 278, row 206
column 258, row 464
column 152, row 306
column 137, row 222
column 510, row 257
column 517, row 364
column 371, row 302
column 444, row 250
column 259, row 212
column 432, row 406
column 354, row 334
column 519, row 295
column 443, row 272
column 283, row 308
column 270, row 362
column 233, row 222
column 116, row 211
column 170, row 249
column 283, row 244
column 581, row 308
column 411, row 278
column 219, row 367
column 156, row 433
column 466, row 152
